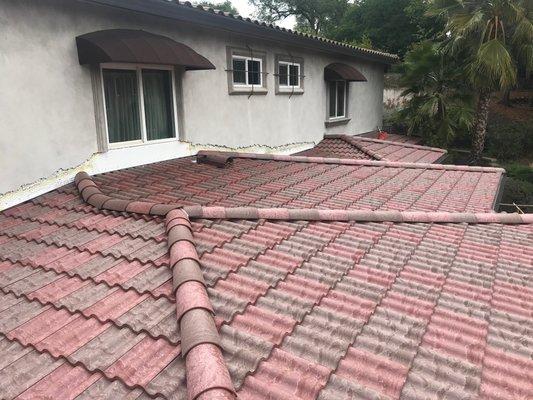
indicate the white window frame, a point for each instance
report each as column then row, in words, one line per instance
column 144, row 137
column 343, row 116
column 247, row 84
column 288, row 86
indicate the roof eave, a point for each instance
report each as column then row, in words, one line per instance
column 250, row 28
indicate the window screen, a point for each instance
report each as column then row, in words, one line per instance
column 254, row 72
column 294, row 72
column 283, row 74
column 239, row 71
column 157, row 91
column 122, row 105
column 332, row 99
column 340, row 98
column 337, row 99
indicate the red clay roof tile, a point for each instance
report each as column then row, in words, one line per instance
column 428, row 294
column 359, row 147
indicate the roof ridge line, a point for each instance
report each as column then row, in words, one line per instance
column 200, row 340
column 309, row 214
column 402, row 144
column 221, row 158
column 365, row 150
column 93, row 195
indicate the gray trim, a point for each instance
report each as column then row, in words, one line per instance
column 180, row 111
column 336, row 122
column 99, row 108
column 289, row 58
column 246, row 52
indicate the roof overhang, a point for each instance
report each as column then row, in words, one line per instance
column 343, row 72
column 139, row 47
column 197, row 16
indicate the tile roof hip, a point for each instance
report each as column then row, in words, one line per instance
column 355, row 139
column 357, row 215
column 178, row 225
column 200, row 341
column 204, row 156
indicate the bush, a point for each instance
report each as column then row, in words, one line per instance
column 521, row 172
column 517, row 191
column 509, row 140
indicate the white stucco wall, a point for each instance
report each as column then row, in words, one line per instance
column 47, row 116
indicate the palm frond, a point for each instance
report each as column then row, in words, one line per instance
column 493, row 66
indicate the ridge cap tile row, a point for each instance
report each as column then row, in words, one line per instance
column 218, row 212
column 358, row 138
column 200, row 341
column 221, row 158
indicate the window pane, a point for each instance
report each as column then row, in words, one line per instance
column 122, row 105
column 254, row 72
column 332, row 99
column 239, row 71
column 157, row 90
column 283, row 74
column 294, row 71
column 340, row 98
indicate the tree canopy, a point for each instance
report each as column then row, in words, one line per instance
column 392, row 26
column 319, row 17
column 224, row 6
column 389, row 25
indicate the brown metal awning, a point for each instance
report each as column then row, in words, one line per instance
column 136, row 46
column 343, row 72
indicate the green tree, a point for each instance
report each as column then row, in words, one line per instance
column 439, row 105
column 318, row 17
column 225, row 6
column 390, row 25
column 495, row 36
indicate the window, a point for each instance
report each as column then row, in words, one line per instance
column 288, row 75
column 139, row 104
column 337, row 99
column 247, row 71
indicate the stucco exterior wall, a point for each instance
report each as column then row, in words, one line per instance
column 47, row 114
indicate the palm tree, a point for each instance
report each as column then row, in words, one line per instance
column 496, row 36
column 439, row 104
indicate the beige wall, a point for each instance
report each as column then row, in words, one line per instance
column 47, row 116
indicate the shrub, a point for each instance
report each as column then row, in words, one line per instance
column 509, row 140
column 517, row 191
column 521, row 172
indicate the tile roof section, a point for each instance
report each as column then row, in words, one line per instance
column 394, row 137
column 265, row 181
column 304, row 309
column 357, row 147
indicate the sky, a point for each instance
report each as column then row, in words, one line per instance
column 246, row 10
